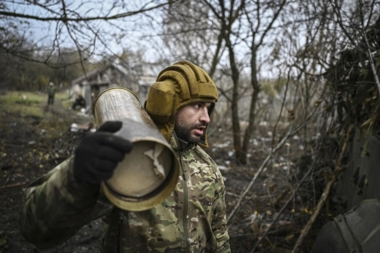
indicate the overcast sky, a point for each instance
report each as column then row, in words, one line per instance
column 113, row 36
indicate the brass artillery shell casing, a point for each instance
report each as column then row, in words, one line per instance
column 149, row 173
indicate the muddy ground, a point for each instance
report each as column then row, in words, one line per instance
column 30, row 146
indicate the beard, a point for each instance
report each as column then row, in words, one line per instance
column 183, row 131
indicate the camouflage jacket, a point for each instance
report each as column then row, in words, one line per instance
column 191, row 219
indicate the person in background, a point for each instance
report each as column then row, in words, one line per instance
column 51, row 93
column 79, row 101
column 191, row 219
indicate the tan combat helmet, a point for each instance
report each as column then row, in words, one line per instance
column 178, row 85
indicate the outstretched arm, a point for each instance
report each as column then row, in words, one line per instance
column 62, row 201
column 56, row 206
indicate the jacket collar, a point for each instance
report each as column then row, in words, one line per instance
column 180, row 145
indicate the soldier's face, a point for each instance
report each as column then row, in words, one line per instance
column 191, row 121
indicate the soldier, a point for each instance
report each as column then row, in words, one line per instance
column 191, row 219
column 79, row 101
column 51, row 93
column 357, row 230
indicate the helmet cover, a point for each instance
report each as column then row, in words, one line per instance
column 178, row 85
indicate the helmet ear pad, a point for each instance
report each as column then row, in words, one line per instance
column 160, row 101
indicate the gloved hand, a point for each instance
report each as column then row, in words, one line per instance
column 98, row 154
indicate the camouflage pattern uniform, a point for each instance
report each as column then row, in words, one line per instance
column 191, row 219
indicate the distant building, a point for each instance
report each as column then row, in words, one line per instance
column 136, row 78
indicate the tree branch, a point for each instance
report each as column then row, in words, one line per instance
column 80, row 19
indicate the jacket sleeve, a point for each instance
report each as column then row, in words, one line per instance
column 219, row 222
column 55, row 207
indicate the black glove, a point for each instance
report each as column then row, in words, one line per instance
column 98, row 154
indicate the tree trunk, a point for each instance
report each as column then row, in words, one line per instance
column 234, row 104
column 251, row 120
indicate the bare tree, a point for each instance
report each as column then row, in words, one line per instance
column 245, row 26
column 94, row 27
column 188, row 32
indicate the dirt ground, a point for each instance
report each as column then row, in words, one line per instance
column 30, row 146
